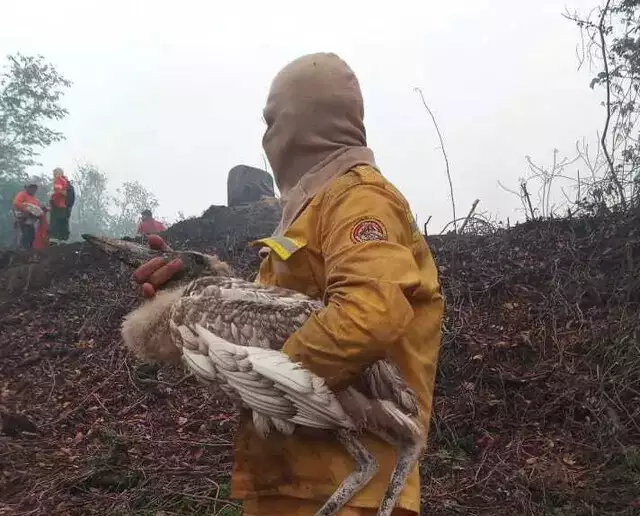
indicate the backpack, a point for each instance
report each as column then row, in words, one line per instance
column 71, row 195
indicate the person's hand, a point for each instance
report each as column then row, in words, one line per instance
column 156, row 272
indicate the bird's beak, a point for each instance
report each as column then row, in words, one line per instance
column 195, row 264
column 131, row 253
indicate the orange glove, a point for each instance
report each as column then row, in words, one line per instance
column 157, row 271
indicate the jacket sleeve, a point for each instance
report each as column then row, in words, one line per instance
column 18, row 200
column 366, row 237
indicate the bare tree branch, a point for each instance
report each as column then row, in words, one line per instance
column 607, row 121
column 444, row 153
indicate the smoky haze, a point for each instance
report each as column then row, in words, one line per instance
column 170, row 93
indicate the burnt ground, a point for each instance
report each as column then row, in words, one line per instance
column 537, row 400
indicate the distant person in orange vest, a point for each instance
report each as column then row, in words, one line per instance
column 148, row 225
column 28, row 213
column 42, row 232
column 62, row 200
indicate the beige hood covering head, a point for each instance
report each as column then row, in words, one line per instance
column 315, row 129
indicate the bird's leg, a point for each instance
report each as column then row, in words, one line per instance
column 408, row 454
column 366, row 468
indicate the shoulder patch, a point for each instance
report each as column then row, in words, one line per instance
column 368, row 230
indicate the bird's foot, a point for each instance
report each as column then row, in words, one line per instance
column 366, row 468
column 408, row 455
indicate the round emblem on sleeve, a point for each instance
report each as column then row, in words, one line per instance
column 368, row 230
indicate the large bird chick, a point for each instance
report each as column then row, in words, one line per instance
column 146, row 330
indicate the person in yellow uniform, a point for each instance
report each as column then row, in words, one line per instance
column 347, row 236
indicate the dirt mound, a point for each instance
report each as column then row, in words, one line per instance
column 228, row 231
column 537, row 395
column 225, row 231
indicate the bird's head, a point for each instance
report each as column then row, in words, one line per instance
column 146, row 330
column 134, row 255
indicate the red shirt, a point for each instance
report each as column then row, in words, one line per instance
column 23, row 197
column 150, row 227
column 59, row 196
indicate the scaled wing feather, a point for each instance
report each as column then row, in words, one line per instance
column 199, row 364
column 293, row 390
column 232, row 330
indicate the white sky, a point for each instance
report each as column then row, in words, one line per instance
column 171, row 93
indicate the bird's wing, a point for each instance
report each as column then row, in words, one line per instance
column 382, row 417
column 266, row 381
column 241, row 312
column 227, row 283
column 249, row 314
column 382, row 380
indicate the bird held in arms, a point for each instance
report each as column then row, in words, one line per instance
column 229, row 333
